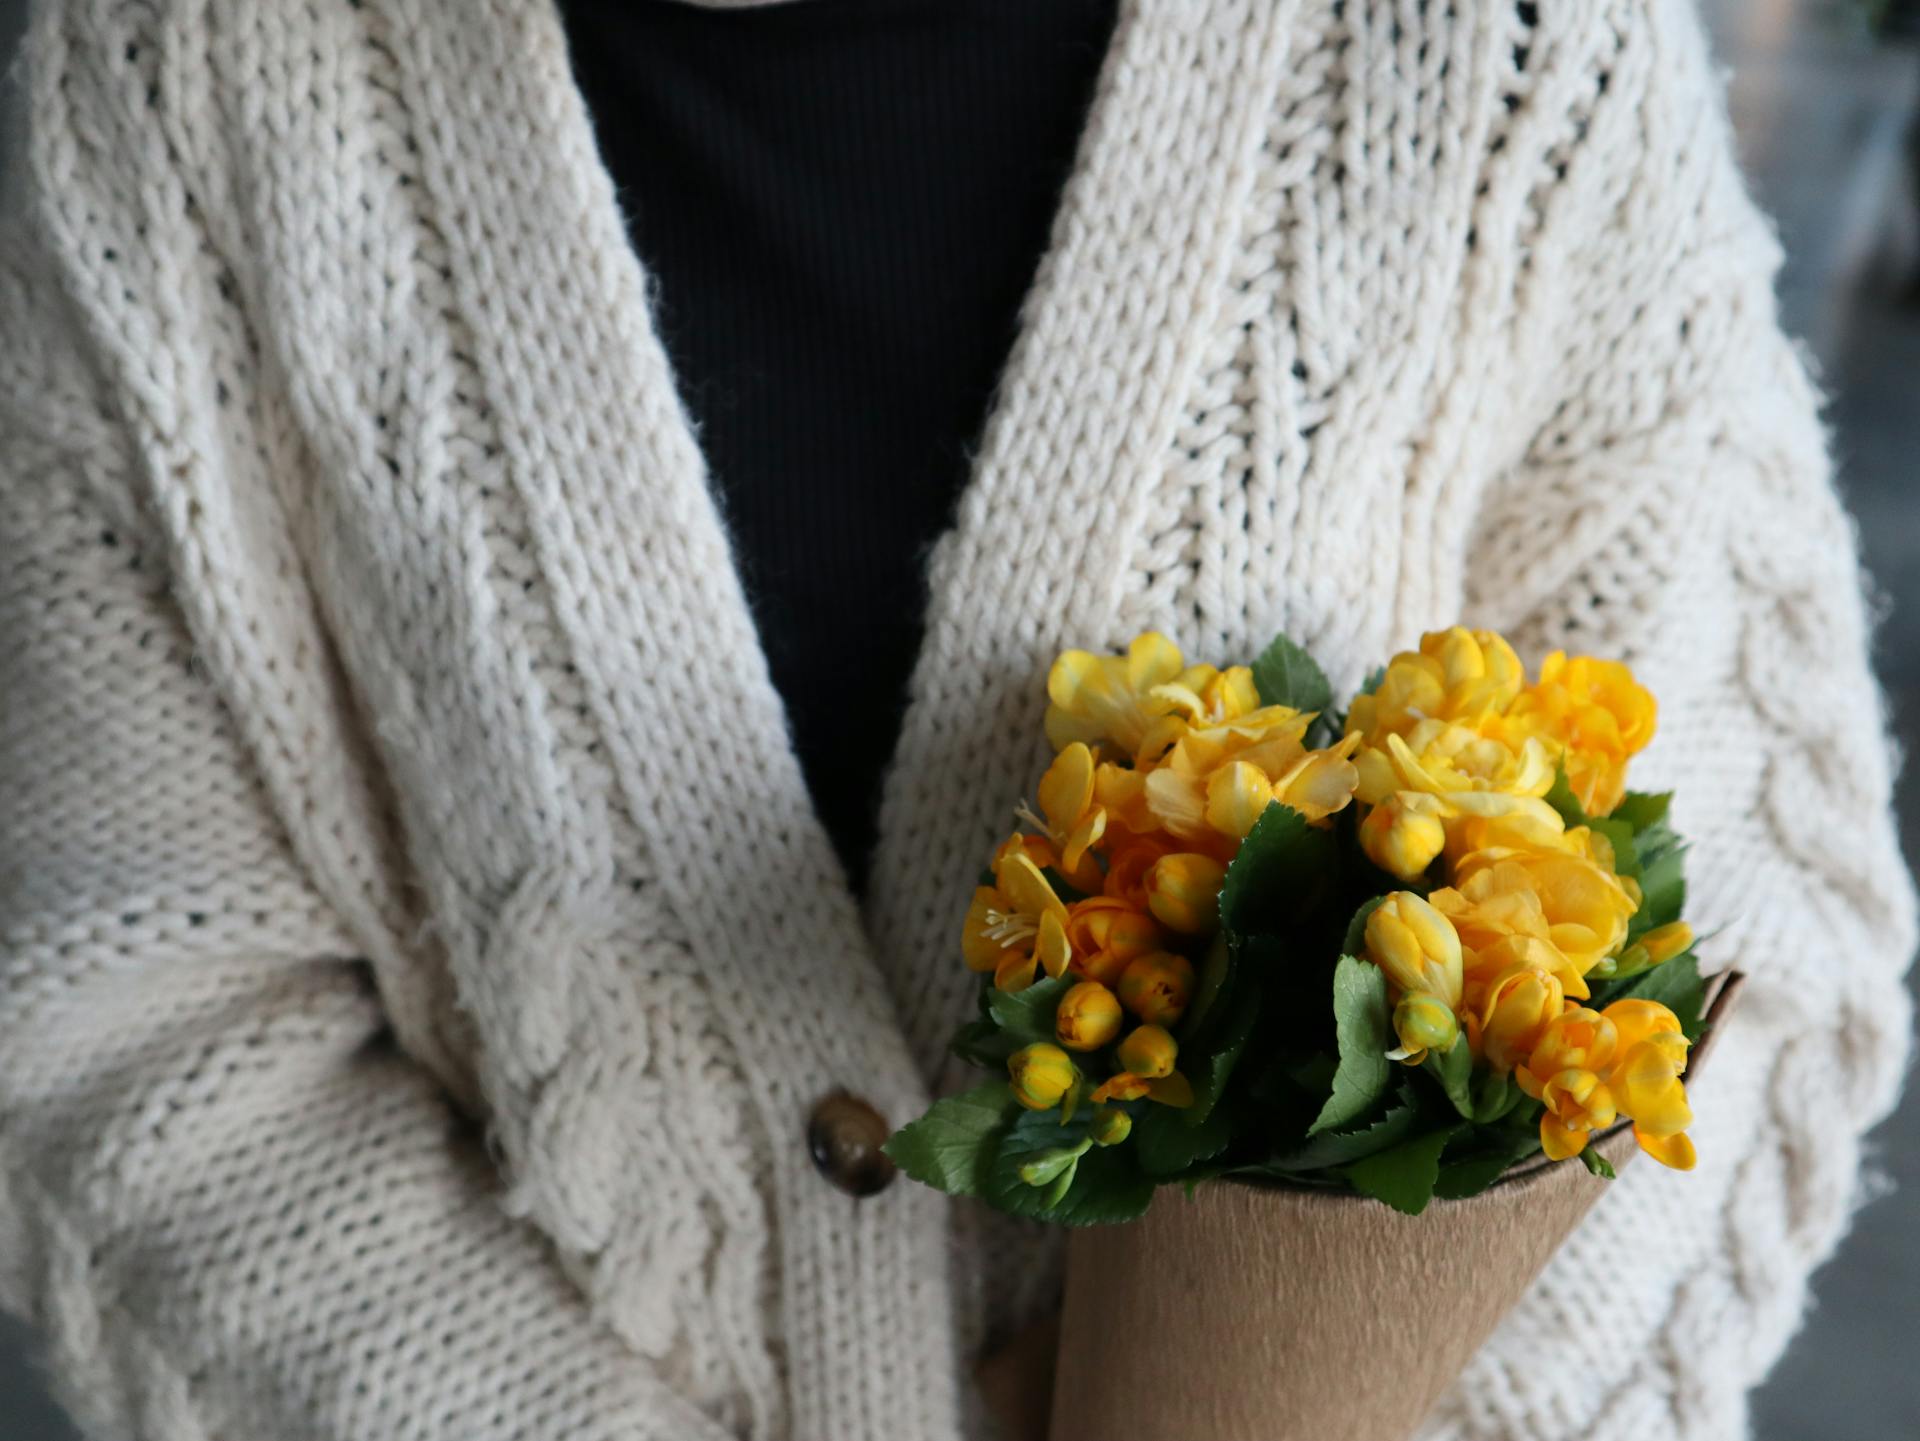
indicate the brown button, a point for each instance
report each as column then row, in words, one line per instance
column 845, row 1135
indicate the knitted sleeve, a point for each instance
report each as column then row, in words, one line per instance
column 1675, row 509
column 232, row 1204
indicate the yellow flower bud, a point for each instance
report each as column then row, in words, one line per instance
column 1149, row 1053
column 1041, row 1074
column 1157, row 987
column 1110, row 1127
column 1423, row 1023
column 1655, row 948
column 1183, row 892
column 1088, row 1017
column 1416, row 946
column 1404, row 833
column 1519, row 1006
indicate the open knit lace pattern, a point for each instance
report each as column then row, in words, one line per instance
column 418, row 953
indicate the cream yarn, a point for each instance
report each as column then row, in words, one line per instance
column 384, row 742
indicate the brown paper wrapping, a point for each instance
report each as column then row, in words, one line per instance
column 1269, row 1314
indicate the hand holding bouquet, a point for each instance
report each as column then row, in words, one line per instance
column 1395, row 952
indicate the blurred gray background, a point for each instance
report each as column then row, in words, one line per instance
column 1826, row 99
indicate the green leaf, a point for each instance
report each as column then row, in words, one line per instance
column 1459, row 1179
column 1640, row 809
column 1107, row 1183
column 1216, row 971
column 1404, row 1175
column 952, row 1147
column 1626, row 855
column 1454, row 1072
column 1562, row 799
column 1286, row 675
column 982, row 1043
column 1166, row 1146
column 1663, row 881
column 1363, row 1023
column 1340, row 1148
column 1675, row 984
column 1027, row 1016
column 1493, row 1096
column 1277, row 874
column 1210, row 1067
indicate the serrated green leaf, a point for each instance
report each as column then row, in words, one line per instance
column 1675, row 984
column 953, row 1145
column 1107, row 1184
column 1454, row 1072
column 1286, row 675
column 1640, row 809
column 1626, row 855
column 1027, row 1016
column 1280, row 871
column 1166, row 1147
column 1404, row 1175
column 1363, row 1024
column 1340, row 1148
column 1663, row 882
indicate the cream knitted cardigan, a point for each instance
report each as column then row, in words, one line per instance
column 386, row 748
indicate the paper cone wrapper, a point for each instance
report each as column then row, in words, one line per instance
column 1311, row 1315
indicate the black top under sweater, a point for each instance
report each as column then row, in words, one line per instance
column 841, row 204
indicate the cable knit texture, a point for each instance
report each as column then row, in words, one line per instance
column 418, row 955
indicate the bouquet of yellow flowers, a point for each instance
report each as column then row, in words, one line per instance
column 1395, row 952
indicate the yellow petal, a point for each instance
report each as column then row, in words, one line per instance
column 1015, row 971
column 1052, row 950
column 980, row 950
column 1026, row 888
column 1152, row 660
column 1675, row 1150
column 1066, row 790
column 1174, row 1090
column 1558, row 1141
column 1237, row 794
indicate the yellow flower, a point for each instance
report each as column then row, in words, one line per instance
column 1589, row 1068
column 1517, row 1009
column 1108, row 699
column 1183, row 891
column 1586, row 906
column 1070, row 819
column 1455, row 675
column 1646, row 1079
column 1017, row 924
column 1503, row 928
column 1107, row 935
column 1041, row 1074
column 1423, row 1023
column 1129, row 860
column 1212, row 785
column 1157, row 987
column 1149, row 1052
column 1443, row 759
column 1405, row 833
column 1416, row 946
column 1088, row 1017
column 1204, row 696
column 1109, row 1127
column 1566, row 1072
column 1601, row 717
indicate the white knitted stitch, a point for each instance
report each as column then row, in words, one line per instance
column 364, row 613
